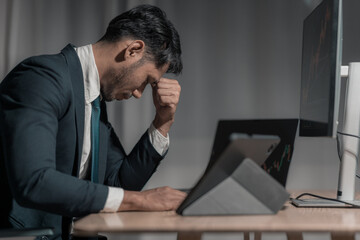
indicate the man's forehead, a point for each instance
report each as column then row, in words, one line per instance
column 163, row 69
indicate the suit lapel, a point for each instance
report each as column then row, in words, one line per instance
column 78, row 95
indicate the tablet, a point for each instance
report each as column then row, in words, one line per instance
column 242, row 146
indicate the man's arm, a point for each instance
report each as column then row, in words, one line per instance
column 166, row 94
column 132, row 171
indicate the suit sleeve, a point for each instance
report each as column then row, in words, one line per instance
column 33, row 98
column 132, row 171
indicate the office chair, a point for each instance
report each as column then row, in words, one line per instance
column 25, row 234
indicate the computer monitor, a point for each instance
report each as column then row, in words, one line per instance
column 320, row 94
column 320, row 71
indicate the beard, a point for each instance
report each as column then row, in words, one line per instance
column 116, row 80
column 119, row 79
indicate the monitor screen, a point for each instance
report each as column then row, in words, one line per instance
column 320, row 71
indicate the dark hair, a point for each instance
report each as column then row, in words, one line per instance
column 149, row 24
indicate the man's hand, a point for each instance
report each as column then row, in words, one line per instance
column 158, row 199
column 166, row 94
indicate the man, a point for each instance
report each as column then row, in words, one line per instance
column 55, row 136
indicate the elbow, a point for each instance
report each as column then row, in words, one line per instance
column 27, row 192
column 23, row 197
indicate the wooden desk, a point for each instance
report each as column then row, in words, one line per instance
column 343, row 223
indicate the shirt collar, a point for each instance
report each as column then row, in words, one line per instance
column 90, row 73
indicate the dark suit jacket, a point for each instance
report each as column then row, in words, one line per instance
column 41, row 128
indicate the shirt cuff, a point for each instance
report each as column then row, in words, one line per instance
column 159, row 142
column 114, row 199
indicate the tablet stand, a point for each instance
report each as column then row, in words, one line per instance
column 239, row 186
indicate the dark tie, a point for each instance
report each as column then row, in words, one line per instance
column 95, row 122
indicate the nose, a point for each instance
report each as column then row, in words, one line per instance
column 137, row 93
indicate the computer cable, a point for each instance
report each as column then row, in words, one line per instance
column 326, row 198
column 338, row 148
column 357, row 175
column 347, row 134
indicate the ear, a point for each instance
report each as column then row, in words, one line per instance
column 135, row 50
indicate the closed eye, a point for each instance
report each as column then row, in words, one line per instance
column 154, row 84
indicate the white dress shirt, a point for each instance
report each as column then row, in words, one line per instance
column 92, row 91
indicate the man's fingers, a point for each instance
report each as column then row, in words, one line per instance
column 175, row 86
column 167, row 92
column 163, row 198
column 167, row 100
column 177, row 194
column 165, row 83
column 176, row 197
